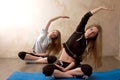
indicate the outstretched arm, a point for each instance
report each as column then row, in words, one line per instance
column 98, row 9
column 86, row 17
column 50, row 21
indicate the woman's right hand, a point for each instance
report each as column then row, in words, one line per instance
column 105, row 8
column 100, row 8
column 60, row 67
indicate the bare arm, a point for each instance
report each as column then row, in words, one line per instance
column 98, row 9
column 50, row 21
column 71, row 65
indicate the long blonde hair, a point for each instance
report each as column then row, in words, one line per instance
column 94, row 48
column 55, row 47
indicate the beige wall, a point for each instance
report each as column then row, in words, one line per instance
column 118, row 56
column 21, row 21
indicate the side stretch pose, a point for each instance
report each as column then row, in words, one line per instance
column 46, row 45
column 83, row 43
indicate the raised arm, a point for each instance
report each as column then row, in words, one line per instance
column 50, row 21
column 98, row 9
column 86, row 17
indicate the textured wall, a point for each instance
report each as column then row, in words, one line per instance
column 21, row 21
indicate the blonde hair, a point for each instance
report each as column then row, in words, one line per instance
column 55, row 47
column 94, row 47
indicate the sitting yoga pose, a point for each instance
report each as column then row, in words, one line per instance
column 81, row 45
column 45, row 44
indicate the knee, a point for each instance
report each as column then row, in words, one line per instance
column 22, row 55
column 48, row 69
column 86, row 69
column 51, row 59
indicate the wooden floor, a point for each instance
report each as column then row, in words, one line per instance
column 8, row 66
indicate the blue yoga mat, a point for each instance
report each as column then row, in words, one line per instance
column 27, row 76
column 107, row 75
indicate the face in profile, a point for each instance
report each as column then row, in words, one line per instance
column 91, row 32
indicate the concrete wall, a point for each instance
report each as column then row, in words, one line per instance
column 22, row 20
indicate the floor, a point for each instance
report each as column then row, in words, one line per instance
column 8, row 66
